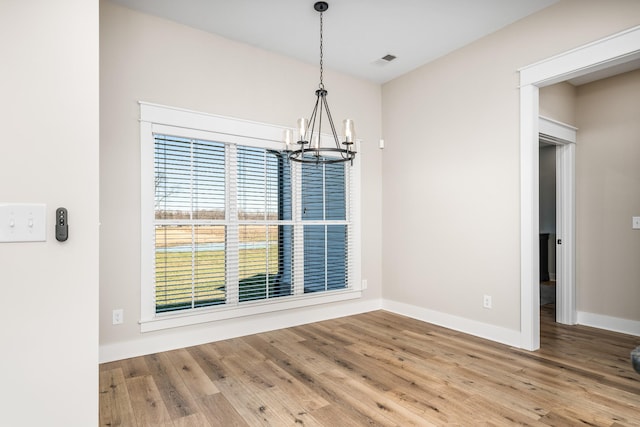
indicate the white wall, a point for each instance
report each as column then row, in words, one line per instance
column 145, row 58
column 49, row 116
column 451, row 168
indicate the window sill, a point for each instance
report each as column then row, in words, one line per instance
column 204, row 315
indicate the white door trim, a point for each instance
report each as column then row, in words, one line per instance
column 566, row 231
column 564, row 137
column 614, row 50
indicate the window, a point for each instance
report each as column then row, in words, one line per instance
column 325, row 233
column 232, row 227
column 189, row 234
column 264, row 220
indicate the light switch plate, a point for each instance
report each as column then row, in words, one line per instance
column 635, row 222
column 23, row 222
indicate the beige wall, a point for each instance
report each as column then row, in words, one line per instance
column 607, row 196
column 451, row 174
column 49, row 116
column 558, row 102
column 144, row 58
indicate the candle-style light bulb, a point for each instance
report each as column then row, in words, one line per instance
column 288, row 139
column 303, row 125
column 349, row 131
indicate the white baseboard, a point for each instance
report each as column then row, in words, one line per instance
column 185, row 337
column 615, row 324
column 483, row 330
column 172, row 339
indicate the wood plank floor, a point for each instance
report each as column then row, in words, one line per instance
column 381, row 369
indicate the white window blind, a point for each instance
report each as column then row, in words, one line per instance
column 265, row 230
column 190, row 231
column 326, row 231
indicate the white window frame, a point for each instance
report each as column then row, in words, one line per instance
column 159, row 119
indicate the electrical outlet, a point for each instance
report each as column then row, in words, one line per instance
column 486, row 302
column 118, row 316
column 364, row 284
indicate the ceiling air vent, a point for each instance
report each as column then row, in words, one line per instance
column 388, row 58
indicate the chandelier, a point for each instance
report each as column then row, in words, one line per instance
column 311, row 148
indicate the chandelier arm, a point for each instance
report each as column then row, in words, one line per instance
column 333, row 128
column 317, row 111
column 320, row 99
column 345, row 153
column 309, row 131
column 312, row 119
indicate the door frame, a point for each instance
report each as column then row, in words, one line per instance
column 611, row 51
column 564, row 137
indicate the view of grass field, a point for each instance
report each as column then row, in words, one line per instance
column 180, row 235
column 175, row 283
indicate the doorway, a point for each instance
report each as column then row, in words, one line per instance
column 547, row 225
column 607, row 53
column 561, row 138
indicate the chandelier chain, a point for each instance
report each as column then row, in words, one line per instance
column 321, row 85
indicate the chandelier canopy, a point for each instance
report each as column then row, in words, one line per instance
column 311, row 148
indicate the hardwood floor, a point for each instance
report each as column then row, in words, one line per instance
column 382, row 369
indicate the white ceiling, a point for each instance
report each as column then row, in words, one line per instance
column 357, row 33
